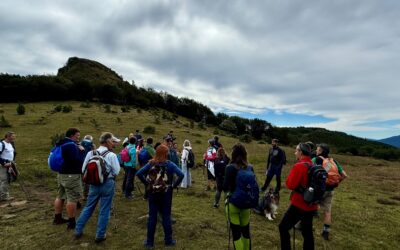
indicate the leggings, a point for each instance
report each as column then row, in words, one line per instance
column 239, row 220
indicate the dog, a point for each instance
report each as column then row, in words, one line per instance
column 268, row 205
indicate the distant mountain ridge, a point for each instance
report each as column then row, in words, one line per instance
column 393, row 141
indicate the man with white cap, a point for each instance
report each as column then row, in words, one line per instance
column 104, row 192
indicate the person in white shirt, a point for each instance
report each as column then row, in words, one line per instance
column 7, row 155
column 103, row 193
column 187, row 180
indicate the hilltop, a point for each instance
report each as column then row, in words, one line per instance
column 393, row 141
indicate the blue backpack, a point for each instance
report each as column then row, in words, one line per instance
column 56, row 160
column 144, row 157
column 247, row 191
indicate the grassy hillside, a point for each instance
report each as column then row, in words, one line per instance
column 365, row 211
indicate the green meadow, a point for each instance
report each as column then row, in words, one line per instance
column 366, row 208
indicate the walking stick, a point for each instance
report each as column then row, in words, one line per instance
column 294, row 238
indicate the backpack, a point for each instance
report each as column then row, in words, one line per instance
column 125, row 157
column 316, row 185
column 95, row 172
column 157, row 178
column 56, row 159
column 333, row 172
column 190, row 159
column 144, row 157
column 246, row 193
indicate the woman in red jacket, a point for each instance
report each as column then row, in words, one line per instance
column 298, row 210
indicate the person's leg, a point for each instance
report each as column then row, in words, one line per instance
column 306, row 223
column 184, row 180
column 152, row 221
column 129, row 182
column 326, row 206
column 291, row 217
column 232, row 213
column 73, row 191
column 93, row 198
column 59, row 203
column 245, row 228
column 278, row 174
column 133, row 178
column 166, row 217
column 189, row 178
column 123, row 187
column 270, row 175
column 106, row 198
column 4, row 185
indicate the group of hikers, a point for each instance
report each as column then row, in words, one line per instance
column 88, row 175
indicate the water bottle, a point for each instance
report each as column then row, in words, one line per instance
column 309, row 195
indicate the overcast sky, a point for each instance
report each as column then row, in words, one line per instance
column 332, row 64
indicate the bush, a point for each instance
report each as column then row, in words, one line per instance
column 56, row 138
column 4, row 123
column 157, row 120
column 86, row 104
column 67, row 109
column 20, row 109
column 245, row 138
column 107, row 108
column 125, row 109
column 191, row 124
column 202, row 125
column 95, row 124
column 229, row 126
column 58, row 108
column 149, row 130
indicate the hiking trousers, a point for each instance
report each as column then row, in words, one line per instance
column 103, row 193
column 239, row 220
column 4, row 185
column 291, row 217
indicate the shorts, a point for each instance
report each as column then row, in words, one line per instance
column 326, row 202
column 69, row 187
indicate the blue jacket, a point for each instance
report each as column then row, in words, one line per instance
column 171, row 169
column 73, row 157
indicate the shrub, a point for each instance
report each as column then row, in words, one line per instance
column 149, row 130
column 58, row 108
column 67, row 109
column 86, row 104
column 201, row 125
column 107, row 108
column 139, row 111
column 229, row 126
column 4, row 123
column 119, row 121
column 80, row 120
column 20, row 109
column 95, row 124
column 56, row 138
column 191, row 124
column 157, row 120
column 245, row 138
column 125, row 109
column 197, row 142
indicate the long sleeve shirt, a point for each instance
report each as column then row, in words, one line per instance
column 111, row 159
column 171, row 169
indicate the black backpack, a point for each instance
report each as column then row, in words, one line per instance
column 316, row 185
column 190, row 159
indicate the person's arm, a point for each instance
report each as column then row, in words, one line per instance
column 85, row 162
column 269, row 158
column 342, row 173
column 115, row 164
column 141, row 174
column 185, row 154
column 228, row 178
column 294, row 178
column 179, row 173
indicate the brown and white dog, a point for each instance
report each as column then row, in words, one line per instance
column 268, row 205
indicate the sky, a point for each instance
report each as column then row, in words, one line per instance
column 329, row 64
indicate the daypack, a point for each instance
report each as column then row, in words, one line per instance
column 158, row 179
column 190, row 159
column 316, row 186
column 125, row 157
column 333, row 172
column 95, row 172
column 56, row 159
column 246, row 193
column 144, row 157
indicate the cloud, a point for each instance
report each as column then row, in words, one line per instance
column 338, row 60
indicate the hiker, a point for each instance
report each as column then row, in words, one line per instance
column 125, row 142
column 69, row 178
column 237, row 214
column 326, row 202
column 7, row 158
column 187, row 180
column 102, row 193
column 138, row 136
column 87, row 143
column 172, row 153
column 171, row 135
column 217, row 144
column 130, row 169
column 220, row 164
column 298, row 210
column 157, row 176
column 139, row 145
column 147, row 152
column 276, row 160
column 312, row 147
column 210, row 156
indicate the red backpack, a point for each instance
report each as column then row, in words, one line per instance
column 95, row 172
column 124, row 154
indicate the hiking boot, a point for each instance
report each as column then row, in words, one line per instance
column 148, row 245
column 216, row 205
column 10, row 198
column 78, row 205
column 58, row 219
column 99, row 240
column 71, row 224
column 325, row 235
column 129, row 197
column 77, row 236
column 170, row 244
column 298, row 226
